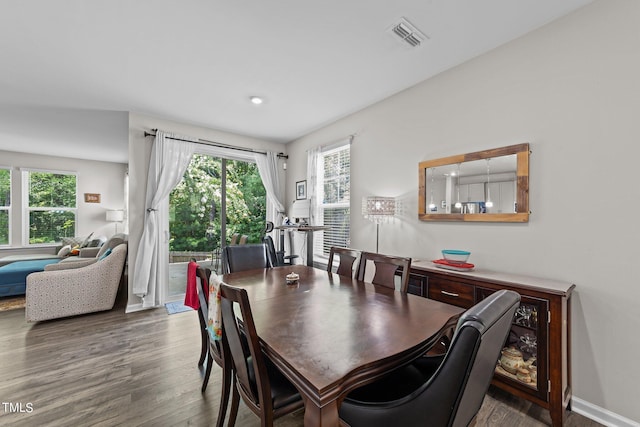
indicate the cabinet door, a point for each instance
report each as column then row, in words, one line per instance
column 528, row 339
column 476, row 192
column 418, row 284
column 464, row 193
column 507, row 197
column 493, row 190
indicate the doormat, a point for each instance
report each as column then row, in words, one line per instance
column 176, row 307
column 11, row 303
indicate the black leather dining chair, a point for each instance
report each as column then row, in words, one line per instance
column 347, row 258
column 263, row 388
column 245, row 257
column 443, row 390
column 385, row 269
column 212, row 350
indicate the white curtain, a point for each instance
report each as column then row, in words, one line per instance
column 268, row 168
column 312, row 182
column 169, row 161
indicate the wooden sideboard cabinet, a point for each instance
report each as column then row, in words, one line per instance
column 541, row 328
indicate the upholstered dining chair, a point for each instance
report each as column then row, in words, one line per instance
column 385, row 269
column 347, row 257
column 440, row 391
column 245, row 257
column 261, row 385
column 212, row 350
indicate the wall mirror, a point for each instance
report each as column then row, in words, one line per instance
column 490, row 186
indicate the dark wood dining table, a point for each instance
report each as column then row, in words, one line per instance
column 329, row 334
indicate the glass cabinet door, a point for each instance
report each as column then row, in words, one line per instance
column 523, row 360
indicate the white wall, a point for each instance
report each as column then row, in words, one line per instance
column 571, row 89
column 139, row 154
column 104, row 178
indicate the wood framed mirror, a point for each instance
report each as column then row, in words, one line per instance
column 488, row 186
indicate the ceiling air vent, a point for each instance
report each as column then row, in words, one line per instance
column 406, row 32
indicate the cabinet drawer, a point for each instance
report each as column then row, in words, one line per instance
column 455, row 293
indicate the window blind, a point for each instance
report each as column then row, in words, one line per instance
column 334, row 179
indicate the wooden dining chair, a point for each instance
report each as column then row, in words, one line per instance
column 245, row 257
column 385, row 269
column 440, row 391
column 257, row 380
column 212, row 350
column 347, row 257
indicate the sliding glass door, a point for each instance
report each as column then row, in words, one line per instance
column 218, row 201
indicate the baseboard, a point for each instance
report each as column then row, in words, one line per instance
column 132, row 308
column 601, row 415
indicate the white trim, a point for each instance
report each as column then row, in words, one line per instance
column 132, row 308
column 25, row 209
column 53, row 171
column 8, row 208
column 601, row 415
column 336, row 145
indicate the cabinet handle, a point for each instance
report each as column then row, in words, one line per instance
column 449, row 294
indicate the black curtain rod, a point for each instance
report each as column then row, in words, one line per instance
column 220, row 144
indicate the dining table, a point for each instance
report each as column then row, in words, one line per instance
column 329, row 334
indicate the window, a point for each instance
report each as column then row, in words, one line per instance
column 5, row 204
column 334, row 179
column 50, row 205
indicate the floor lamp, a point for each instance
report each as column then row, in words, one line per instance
column 377, row 210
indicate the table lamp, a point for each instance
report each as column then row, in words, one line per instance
column 115, row 216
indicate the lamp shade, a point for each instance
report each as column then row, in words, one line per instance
column 378, row 209
column 300, row 209
column 115, row 215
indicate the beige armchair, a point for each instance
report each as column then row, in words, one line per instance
column 68, row 289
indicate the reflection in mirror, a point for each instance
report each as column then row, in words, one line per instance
column 467, row 188
column 490, row 185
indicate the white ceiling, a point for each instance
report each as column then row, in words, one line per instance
column 199, row 61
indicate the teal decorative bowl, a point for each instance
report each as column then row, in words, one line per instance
column 454, row 255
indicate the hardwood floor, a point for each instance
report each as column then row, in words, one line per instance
column 140, row 369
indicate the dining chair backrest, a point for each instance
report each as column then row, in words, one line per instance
column 347, row 257
column 244, row 348
column 246, row 257
column 212, row 350
column 204, row 274
column 264, row 389
column 489, row 321
column 451, row 391
column 385, row 269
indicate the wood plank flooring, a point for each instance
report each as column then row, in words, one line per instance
column 140, row 369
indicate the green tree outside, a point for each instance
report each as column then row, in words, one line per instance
column 52, row 203
column 194, row 221
column 5, row 202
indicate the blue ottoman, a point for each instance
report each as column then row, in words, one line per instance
column 13, row 277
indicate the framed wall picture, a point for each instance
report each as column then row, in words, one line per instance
column 301, row 190
column 91, row 197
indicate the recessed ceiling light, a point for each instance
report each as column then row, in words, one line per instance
column 256, row 100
